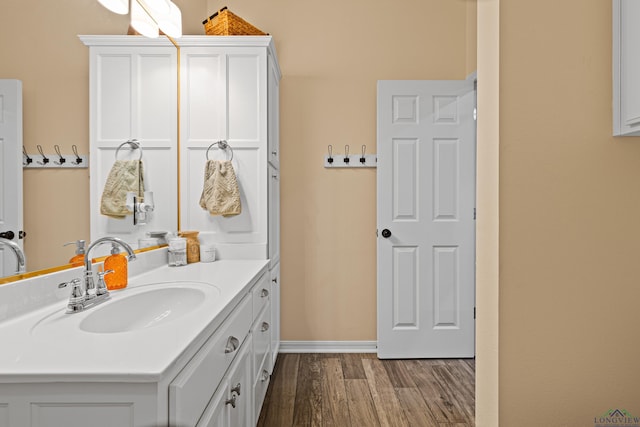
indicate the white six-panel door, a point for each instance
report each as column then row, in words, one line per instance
column 11, row 174
column 426, row 226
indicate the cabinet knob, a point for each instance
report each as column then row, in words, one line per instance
column 264, row 376
column 232, row 345
column 265, row 327
column 231, row 401
column 264, row 293
column 236, row 389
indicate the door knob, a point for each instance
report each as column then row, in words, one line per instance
column 9, row 235
column 386, row 233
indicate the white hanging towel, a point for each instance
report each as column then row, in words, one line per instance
column 220, row 194
column 125, row 176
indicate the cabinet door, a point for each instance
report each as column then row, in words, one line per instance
column 274, row 114
column 274, row 216
column 240, row 389
column 224, row 97
column 275, row 314
column 216, row 414
column 133, row 94
column 232, row 403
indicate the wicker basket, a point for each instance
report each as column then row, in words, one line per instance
column 226, row 23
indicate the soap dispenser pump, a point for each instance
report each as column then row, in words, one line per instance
column 78, row 259
column 118, row 263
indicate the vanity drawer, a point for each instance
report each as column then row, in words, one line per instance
column 190, row 391
column 261, row 337
column 261, row 294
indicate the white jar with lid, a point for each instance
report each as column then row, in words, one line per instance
column 207, row 253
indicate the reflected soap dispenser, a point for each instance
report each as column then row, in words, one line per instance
column 78, row 259
column 118, row 263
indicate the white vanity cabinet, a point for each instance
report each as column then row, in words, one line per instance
column 219, row 379
column 626, row 68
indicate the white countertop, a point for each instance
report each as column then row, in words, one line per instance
column 65, row 353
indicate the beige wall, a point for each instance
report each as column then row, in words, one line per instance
column 331, row 55
column 569, row 209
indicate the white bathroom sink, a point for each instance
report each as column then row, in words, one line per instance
column 143, row 310
column 134, row 309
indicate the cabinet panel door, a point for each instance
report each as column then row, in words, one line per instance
column 275, row 314
column 224, row 97
column 216, row 414
column 274, row 114
column 192, row 388
column 240, row 388
column 133, row 93
column 274, row 216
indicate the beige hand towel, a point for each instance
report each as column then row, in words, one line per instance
column 220, row 194
column 125, row 176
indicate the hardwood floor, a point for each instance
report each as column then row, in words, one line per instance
column 359, row 390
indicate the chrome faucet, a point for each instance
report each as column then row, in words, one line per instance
column 84, row 296
column 17, row 251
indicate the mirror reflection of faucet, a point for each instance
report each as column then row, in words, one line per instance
column 85, row 293
column 15, row 248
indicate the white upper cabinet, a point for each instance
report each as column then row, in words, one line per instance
column 229, row 91
column 210, row 88
column 626, row 67
column 133, row 95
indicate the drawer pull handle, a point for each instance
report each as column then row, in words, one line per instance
column 264, row 376
column 231, row 401
column 232, row 345
column 236, row 389
column 265, row 327
column 264, row 293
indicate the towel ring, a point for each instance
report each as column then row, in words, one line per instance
column 134, row 145
column 223, row 145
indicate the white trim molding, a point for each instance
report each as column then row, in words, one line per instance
column 328, row 346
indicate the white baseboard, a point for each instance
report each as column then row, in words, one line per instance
column 328, row 346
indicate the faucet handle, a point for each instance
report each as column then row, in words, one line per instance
column 101, row 289
column 77, row 295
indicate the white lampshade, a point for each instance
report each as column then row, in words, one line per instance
column 171, row 23
column 142, row 22
column 121, row 7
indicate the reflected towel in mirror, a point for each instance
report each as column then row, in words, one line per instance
column 220, row 194
column 125, row 176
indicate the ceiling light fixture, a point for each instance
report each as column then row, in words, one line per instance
column 149, row 17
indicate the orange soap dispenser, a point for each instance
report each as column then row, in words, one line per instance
column 118, row 263
column 78, row 259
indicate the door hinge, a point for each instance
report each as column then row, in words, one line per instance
column 475, row 113
column 376, row 232
column 474, row 312
column 474, row 213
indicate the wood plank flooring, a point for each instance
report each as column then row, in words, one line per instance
column 359, row 390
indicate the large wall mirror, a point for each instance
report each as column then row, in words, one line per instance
column 53, row 65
